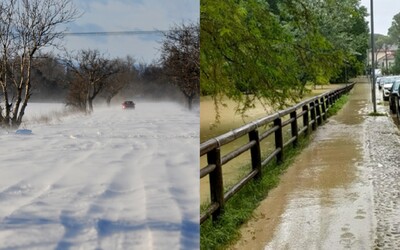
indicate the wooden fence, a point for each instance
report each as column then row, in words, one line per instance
column 309, row 114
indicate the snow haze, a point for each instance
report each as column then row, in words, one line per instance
column 115, row 179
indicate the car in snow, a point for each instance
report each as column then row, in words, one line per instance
column 128, row 105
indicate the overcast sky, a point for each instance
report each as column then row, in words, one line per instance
column 384, row 11
column 128, row 15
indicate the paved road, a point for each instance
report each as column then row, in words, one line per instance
column 342, row 191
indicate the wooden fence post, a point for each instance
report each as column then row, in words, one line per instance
column 293, row 126
column 216, row 182
column 312, row 113
column 279, row 139
column 323, row 107
column 255, row 152
column 319, row 119
column 328, row 101
column 306, row 122
column 335, row 97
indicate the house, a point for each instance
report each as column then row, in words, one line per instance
column 386, row 61
column 385, row 57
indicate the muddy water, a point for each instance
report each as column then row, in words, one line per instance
column 231, row 120
column 325, row 200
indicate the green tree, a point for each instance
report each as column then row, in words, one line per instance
column 270, row 50
column 396, row 67
column 394, row 38
column 335, row 32
column 243, row 55
column 316, row 55
column 394, row 30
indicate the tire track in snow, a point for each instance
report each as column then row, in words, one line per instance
column 109, row 217
column 162, row 211
column 144, row 183
column 118, row 200
column 94, row 209
column 120, row 225
column 183, row 178
column 185, row 191
column 73, row 190
column 30, row 188
column 103, row 221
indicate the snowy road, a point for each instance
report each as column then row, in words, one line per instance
column 117, row 179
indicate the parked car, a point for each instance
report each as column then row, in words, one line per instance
column 393, row 96
column 128, row 105
column 386, row 79
column 378, row 80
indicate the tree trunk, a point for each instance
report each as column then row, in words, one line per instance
column 108, row 100
column 90, row 105
column 190, row 101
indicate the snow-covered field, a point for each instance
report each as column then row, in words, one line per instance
column 116, row 179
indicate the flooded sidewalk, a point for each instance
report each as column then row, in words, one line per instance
column 341, row 192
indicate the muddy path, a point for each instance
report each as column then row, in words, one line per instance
column 342, row 191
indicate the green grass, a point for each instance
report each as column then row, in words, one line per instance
column 338, row 105
column 239, row 209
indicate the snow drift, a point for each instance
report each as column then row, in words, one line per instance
column 116, row 179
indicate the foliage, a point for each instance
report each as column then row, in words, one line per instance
column 180, row 59
column 394, row 36
column 396, row 66
column 382, row 42
column 377, row 114
column 333, row 35
column 269, row 50
column 338, row 105
column 394, row 30
column 243, row 56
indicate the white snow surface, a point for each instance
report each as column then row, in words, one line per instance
column 115, row 179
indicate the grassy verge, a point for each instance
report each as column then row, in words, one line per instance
column 338, row 105
column 377, row 114
column 240, row 207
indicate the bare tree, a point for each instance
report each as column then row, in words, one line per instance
column 91, row 71
column 126, row 74
column 180, row 58
column 48, row 78
column 76, row 95
column 26, row 26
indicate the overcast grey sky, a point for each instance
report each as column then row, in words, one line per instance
column 384, row 11
column 128, row 15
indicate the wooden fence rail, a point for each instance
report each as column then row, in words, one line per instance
column 310, row 113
